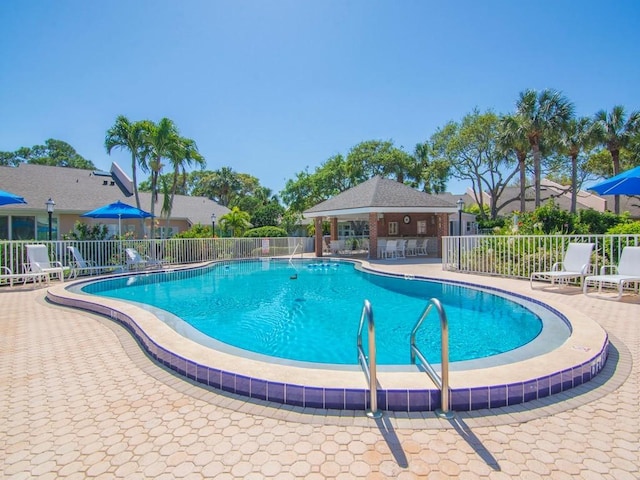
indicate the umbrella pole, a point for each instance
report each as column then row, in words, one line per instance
column 120, row 236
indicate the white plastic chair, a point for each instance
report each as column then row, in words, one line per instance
column 7, row 276
column 575, row 265
column 137, row 261
column 38, row 262
column 390, row 250
column 382, row 246
column 627, row 271
column 81, row 266
column 412, row 247
column 422, row 247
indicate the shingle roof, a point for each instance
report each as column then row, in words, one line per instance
column 380, row 195
column 78, row 191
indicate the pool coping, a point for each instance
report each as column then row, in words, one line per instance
column 577, row 361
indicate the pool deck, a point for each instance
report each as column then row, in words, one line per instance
column 79, row 399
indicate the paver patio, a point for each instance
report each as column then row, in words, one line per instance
column 79, row 399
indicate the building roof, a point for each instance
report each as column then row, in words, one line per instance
column 76, row 191
column 560, row 194
column 379, row 195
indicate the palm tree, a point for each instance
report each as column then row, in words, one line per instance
column 236, row 220
column 511, row 137
column 160, row 140
column 577, row 136
column 541, row 115
column 184, row 154
column 130, row 136
column 615, row 131
column 224, row 184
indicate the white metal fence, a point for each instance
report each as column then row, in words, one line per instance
column 170, row 251
column 520, row 255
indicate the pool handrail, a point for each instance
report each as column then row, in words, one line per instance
column 442, row 380
column 370, row 367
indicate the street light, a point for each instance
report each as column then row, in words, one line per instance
column 50, row 207
column 213, row 225
column 460, row 204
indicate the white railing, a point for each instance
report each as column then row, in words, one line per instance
column 520, row 255
column 172, row 251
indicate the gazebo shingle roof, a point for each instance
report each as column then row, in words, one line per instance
column 381, row 194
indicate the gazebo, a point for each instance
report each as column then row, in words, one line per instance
column 391, row 208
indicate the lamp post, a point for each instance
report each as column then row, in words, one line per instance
column 460, row 204
column 213, row 225
column 50, row 207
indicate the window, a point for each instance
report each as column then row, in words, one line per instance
column 23, row 228
column 421, row 226
column 43, row 228
column 393, row 228
column 4, row 228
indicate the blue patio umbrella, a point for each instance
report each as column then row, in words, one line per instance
column 625, row 183
column 8, row 198
column 117, row 210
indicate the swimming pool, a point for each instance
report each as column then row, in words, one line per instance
column 527, row 373
column 309, row 311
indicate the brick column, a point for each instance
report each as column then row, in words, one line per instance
column 334, row 228
column 373, row 235
column 318, row 236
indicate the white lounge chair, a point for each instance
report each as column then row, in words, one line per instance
column 575, row 265
column 135, row 261
column 401, row 248
column 7, row 276
column 38, row 262
column 81, row 266
column 627, row 271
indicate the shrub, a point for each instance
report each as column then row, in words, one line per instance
column 196, row 231
column 262, row 232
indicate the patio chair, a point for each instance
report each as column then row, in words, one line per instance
column 401, row 246
column 135, row 261
column 390, row 250
column 80, row 266
column 412, row 248
column 38, row 262
column 575, row 265
column 382, row 246
column 336, row 246
column 422, row 247
column 7, row 276
column 627, row 271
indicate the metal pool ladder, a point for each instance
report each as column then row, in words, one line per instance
column 369, row 367
column 441, row 381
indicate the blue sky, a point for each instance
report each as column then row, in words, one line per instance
column 272, row 87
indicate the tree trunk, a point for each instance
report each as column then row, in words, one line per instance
column 574, row 182
column 523, row 181
column 615, row 155
column 536, row 171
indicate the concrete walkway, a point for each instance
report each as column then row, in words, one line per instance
column 78, row 399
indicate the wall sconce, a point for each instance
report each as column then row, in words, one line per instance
column 381, row 216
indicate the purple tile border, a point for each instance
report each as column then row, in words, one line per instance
column 463, row 399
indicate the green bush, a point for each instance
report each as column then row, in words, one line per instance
column 196, row 231
column 265, row 232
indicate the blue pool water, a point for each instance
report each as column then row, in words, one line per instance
column 310, row 310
